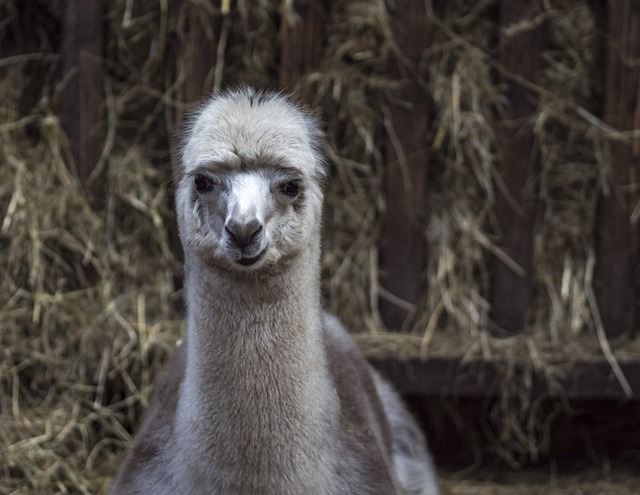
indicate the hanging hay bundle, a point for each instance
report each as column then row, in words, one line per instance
column 350, row 89
column 569, row 180
column 567, row 188
column 466, row 101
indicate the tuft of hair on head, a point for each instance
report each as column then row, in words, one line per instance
column 246, row 94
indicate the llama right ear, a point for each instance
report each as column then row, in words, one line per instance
column 177, row 144
column 181, row 135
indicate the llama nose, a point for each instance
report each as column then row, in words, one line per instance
column 243, row 233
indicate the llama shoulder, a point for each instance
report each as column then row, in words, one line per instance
column 360, row 403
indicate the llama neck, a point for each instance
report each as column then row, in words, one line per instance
column 256, row 379
column 240, row 320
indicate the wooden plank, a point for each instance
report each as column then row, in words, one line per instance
column 37, row 70
column 585, row 380
column 456, row 428
column 301, row 40
column 198, row 54
column 617, row 239
column 83, row 108
column 403, row 250
column 439, row 376
column 511, row 292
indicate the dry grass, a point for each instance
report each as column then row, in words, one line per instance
column 88, row 308
column 569, row 180
column 350, row 88
column 463, row 145
column 89, row 305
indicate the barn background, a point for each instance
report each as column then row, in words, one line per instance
column 481, row 234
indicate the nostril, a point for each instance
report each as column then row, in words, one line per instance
column 243, row 233
column 230, row 234
column 255, row 234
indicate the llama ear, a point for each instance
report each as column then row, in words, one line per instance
column 178, row 142
column 320, row 148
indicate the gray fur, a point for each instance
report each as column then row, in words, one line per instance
column 268, row 394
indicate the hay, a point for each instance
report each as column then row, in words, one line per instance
column 89, row 305
column 350, row 87
column 569, row 181
column 88, row 308
column 467, row 101
column 453, row 315
column 89, row 312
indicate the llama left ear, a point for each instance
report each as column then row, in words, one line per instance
column 324, row 169
column 319, row 143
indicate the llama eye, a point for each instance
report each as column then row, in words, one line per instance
column 291, row 188
column 202, row 184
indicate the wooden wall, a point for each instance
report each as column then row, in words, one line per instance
column 403, row 250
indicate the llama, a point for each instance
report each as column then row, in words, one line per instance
column 268, row 394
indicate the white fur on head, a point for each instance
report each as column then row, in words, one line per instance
column 251, row 125
column 249, row 180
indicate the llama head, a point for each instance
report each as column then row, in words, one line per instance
column 249, row 181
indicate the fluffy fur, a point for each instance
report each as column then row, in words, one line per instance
column 268, row 394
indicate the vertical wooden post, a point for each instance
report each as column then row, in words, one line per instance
column 83, row 109
column 301, row 40
column 511, row 292
column 403, row 250
column 198, row 54
column 617, row 240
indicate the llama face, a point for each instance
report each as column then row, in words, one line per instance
column 248, row 186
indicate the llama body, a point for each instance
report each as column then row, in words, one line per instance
column 268, row 394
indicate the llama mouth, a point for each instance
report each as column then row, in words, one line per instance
column 248, row 261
